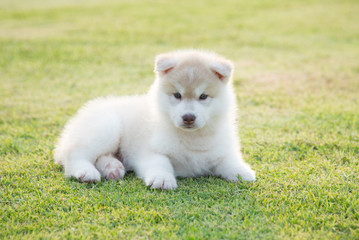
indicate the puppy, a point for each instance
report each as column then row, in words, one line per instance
column 185, row 126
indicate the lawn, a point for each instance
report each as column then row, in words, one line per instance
column 297, row 85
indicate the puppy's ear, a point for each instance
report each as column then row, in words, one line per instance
column 164, row 63
column 222, row 69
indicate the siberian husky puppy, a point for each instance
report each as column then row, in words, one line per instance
column 185, row 126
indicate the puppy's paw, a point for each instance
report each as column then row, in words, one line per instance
column 114, row 171
column 110, row 167
column 161, row 181
column 87, row 175
column 249, row 175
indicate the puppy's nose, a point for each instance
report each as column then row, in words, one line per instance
column 188, row 119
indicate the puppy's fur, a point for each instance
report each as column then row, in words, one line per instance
column 185, row 126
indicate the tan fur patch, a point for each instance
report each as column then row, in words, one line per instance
column 188, row 75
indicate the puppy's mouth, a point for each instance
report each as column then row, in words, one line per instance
column 191, row 127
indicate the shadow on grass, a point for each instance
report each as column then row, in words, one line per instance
column 201, row 186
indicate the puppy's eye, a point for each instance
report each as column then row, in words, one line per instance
column 177, row 95
column 203, row 96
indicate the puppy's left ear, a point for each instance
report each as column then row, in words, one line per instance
column 222, row 69
column 164, row 63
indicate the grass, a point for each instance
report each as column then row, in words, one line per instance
column 297, row 83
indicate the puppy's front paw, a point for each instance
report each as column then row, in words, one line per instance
column 161, row 181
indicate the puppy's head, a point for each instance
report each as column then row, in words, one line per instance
column 192, row 87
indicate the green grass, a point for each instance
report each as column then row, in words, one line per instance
column 297, row 82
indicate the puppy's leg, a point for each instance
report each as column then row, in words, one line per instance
column 110, row 167
column 156, row 171
column 89, row 135
column 81, row 168
column 82, row 159
column 233, row 166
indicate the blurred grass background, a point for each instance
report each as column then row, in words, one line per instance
column 297, row 83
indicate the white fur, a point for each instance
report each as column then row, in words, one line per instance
column 148, row 134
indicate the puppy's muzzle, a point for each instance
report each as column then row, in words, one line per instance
column 188, row 119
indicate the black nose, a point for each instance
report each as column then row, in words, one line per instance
column 188, row 119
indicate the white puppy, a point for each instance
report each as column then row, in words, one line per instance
column 185, row 126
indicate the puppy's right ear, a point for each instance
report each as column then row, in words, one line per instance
column 164, row 63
